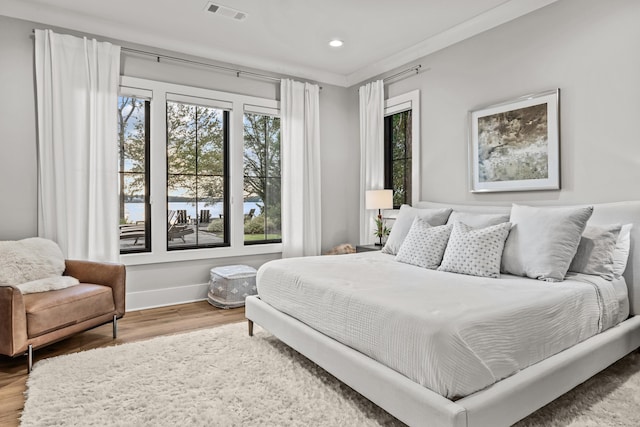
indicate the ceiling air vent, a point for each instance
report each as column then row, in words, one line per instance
column 225, row 11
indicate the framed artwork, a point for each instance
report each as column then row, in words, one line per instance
column 515, row 145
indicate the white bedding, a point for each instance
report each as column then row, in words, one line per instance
column 452, row 333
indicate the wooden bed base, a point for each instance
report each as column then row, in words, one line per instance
column 501, row 404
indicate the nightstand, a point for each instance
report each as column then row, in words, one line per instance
column 368, row 248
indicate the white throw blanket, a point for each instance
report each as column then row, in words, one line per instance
column 33, row 265
column 47, row 284
column 452, row 333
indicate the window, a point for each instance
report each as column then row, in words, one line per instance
column 398, row 152
column 262, row 200
column 197, row 208
column 402, row 147
column 133, row 141
column 211, row 173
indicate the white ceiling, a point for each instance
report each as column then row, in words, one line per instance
column 285, row 36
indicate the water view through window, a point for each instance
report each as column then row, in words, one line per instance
column 197, row 204
column 197, row 176
column 133, row 148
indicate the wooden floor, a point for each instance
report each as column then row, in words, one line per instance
column 134, row 326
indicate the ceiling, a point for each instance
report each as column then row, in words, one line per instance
column 285, row 36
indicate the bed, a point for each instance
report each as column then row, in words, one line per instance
column 348, row 325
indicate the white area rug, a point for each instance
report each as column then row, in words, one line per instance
column 222, row 377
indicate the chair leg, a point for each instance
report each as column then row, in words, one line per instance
column 250, row 323
column 29, row 358
column 115, row 326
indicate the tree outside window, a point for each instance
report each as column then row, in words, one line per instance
column 262, row 193
column 133, row 143
column 196, row 176
column 398, row 153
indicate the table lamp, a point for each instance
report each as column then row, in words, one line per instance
column 379, row 199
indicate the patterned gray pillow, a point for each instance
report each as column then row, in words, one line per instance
column 424, row 244
column 475, row 251
column 404, row 221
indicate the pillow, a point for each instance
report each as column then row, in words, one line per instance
column 424, row 244
column 543, row 241
column 621, row 252
column 404, row 221
column 47, row 284
column 477, row 220
column 29, row 259
column 595, row 251
column 475, row 251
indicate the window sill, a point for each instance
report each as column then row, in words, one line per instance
column 198, row 254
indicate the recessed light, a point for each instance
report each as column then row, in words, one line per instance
column 336, row 43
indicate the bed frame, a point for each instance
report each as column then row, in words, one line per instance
column 502, row 403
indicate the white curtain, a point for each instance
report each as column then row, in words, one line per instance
column 371, row 152
column 77, row 89
column 300, row 123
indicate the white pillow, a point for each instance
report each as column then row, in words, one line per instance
column 404, row 221
column 47, row 284
column 424, row 244
column 543, row 241
column 477, row 220
column 29, row 259
column 595, row 251
column 621, row 252
column 475, row 251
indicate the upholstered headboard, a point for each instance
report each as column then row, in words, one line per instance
column 603, row 213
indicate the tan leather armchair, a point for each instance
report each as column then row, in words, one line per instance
column 30, row 321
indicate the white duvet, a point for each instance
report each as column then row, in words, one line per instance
column 452, row 333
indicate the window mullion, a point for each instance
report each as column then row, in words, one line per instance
column 236, row 176
column 158, row 165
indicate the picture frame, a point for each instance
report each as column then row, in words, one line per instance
column 515, row 145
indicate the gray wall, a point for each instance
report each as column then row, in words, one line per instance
column 590, row 49
column 18, row 164
column 18, row 173
column 340, row 139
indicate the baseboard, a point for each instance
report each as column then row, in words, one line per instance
column 168, row 296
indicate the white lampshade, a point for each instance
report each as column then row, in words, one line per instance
column 379, row 199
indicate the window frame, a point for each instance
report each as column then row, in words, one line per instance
column 390, row 160
column 224, row 107
column 264, row 111
column 147, row 96
column 158, row 167
column 398, row 104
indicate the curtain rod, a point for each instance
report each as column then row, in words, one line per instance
column 238, row 72
column 415, row 68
